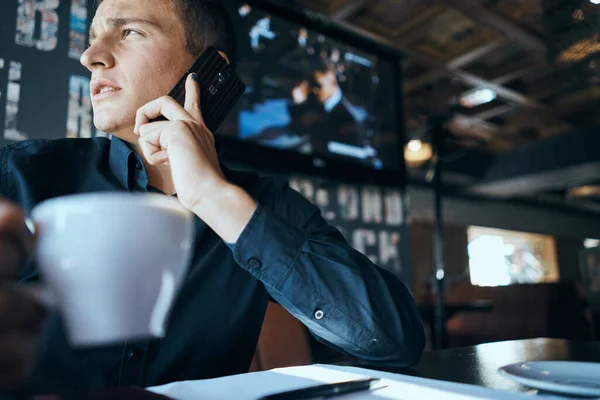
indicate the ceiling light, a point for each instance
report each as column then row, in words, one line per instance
column 414, row 146
column 477, row 98
column 584, row 191
column 595, row 1
column 417, row 153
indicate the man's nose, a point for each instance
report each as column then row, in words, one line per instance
column 97, row 55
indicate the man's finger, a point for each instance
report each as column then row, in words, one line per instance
column 16, row 241
column 159, row 157
column 18, row 311
column 146, row 129
column 152, row 142
column 12, row 257
column 165, row 106
column 148, row 149
column 153, row 133
column 150, row 137
column 192, row 98
column 12, row 218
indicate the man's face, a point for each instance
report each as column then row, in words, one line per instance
column 328, row 85
column 137, row 54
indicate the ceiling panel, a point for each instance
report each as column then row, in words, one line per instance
column 392, row 18
column 451, row 34
column 323, row 6
column 527, row 13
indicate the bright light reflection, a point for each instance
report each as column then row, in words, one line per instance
column 478, row 98
column 493, row 357
column 384, row 389
column 320, row 374
column 486, row 261
column 416, row 145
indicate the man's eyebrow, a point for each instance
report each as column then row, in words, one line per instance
column 116, row 23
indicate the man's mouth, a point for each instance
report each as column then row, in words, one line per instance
column 105, row 89
column 102, row 87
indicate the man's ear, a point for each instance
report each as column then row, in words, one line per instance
column 224, row 56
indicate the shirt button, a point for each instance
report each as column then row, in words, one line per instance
column 319, row 314
column 135, row 355
column 254, row 263
column 138, row 165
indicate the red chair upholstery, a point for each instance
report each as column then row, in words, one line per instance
column 283, row 341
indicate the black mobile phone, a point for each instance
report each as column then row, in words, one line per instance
column 220, row 87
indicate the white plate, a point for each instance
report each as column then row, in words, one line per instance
column 574, row 378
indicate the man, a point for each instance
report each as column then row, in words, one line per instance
column 320, row 109
column 256, row 238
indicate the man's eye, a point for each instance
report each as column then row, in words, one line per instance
column 129, row 32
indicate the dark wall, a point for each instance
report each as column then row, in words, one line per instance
column 567, row 253
column 44, row 90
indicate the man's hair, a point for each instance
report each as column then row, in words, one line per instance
column 206, row 23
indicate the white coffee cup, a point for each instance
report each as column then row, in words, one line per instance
column 112, row 262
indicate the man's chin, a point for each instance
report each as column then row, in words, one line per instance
column 109, row 123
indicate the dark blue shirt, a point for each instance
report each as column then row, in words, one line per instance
column 287, row 252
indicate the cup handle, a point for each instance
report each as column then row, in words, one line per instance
column 30, row 225
column 42, row 294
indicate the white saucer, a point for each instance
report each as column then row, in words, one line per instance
column 574, row 378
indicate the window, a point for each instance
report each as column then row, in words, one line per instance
column 498, row 257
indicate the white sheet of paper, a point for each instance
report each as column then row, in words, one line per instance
column 254, row 385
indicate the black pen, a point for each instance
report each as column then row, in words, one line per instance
column 324, row 391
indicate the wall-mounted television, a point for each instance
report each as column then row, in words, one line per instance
column 316, row 100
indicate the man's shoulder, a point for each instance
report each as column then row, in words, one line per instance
column 63, row 147
column 34, row 170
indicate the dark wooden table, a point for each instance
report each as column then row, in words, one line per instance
column 475, row 365
column 478, row 365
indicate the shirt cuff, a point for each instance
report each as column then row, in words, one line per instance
column 268, row 246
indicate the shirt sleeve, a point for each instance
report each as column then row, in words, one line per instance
column 345, row 300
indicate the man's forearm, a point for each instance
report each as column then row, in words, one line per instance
column 226, row 211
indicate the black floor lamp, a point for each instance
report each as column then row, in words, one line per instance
column 438, row 131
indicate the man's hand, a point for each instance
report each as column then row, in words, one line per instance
column 21, row 318
column 300, row 92
column 184, row 142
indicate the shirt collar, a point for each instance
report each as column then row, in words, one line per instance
column 126, row 165
column 333, row 100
